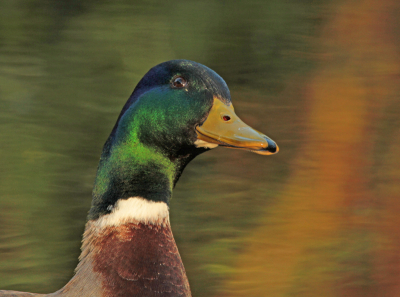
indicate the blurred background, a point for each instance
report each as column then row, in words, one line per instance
column 321, row 78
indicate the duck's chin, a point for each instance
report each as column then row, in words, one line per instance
column 204, row 144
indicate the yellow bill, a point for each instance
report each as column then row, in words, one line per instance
column 223, row 127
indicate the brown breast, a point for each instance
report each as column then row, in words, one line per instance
column 139, row 260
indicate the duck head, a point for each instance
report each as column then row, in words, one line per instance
column 178, row 110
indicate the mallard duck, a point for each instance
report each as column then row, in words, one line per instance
column 177, row 111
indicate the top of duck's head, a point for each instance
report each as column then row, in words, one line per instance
column 178, row 110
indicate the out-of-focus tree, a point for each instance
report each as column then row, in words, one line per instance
column 335, row 230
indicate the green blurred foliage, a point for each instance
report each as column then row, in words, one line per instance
column 66, row 69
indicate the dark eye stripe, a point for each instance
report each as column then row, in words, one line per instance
column 179, row 82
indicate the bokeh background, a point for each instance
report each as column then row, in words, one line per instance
column 322, row 78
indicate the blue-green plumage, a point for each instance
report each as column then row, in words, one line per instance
column 154, row 136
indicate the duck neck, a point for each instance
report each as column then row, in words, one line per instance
column 132, row 169
column 128, row 248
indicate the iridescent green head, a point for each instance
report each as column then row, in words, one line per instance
column 168, row 103
column 178, row 110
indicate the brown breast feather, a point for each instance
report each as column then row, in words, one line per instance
column 139, row 260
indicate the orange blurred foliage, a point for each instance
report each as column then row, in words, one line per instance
column 335, row 230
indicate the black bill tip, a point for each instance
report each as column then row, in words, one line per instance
column 272, row 147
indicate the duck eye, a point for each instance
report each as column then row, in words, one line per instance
column 226, row 118
column 179, row 82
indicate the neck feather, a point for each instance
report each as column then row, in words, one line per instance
column 134, row 210
column 131, row 169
